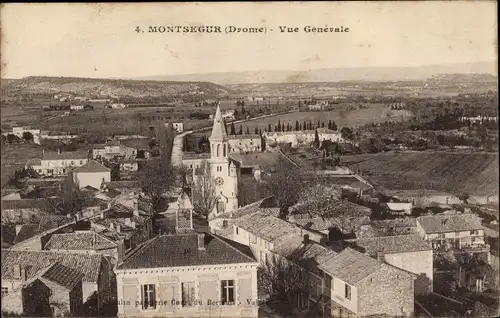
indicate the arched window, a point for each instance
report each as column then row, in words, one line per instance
column 218, row 150
column 224, row 150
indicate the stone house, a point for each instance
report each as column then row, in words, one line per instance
column 58, row 163
column 244, row 143
column 91, row 174
column 358, row 285
column 23, row 270
column 112, row 149
column 408, row 252
column 457, row 232
column 186, row 275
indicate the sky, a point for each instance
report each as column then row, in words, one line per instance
column 98, row 40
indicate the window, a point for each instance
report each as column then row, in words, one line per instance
column 474, row 232
column 188, row 294
column 220, row 207
column 224, row 223
column 72, row 162
column 81, row 162
column 224, row 150
column 218, row 150
column 5, row 291
column 347, row 292
column 148, row 296
column 227, row 292
column 441, row 235
column 237, row 230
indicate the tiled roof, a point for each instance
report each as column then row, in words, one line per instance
column 137, row 143
column 182, row 250
column 35, row 261
column 28, row 203
column 266, row 206
column 392, row 244
column 27, row 231
column 323, row 224
column 193, row 155
column 248, row 136
column 308, row 255
column 261, row 159
column 79, row 241
column 265, row 226
column 400, row 222
column 351, row 266
column 449, row 223
column 92, row 166
column 63, row 275
column 67, row 155
column 34, row 162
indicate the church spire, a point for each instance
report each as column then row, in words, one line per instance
column 219, row 128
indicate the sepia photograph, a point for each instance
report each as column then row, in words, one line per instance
column 250, row 159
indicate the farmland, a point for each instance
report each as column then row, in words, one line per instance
column 473, row 173
column 344, row 116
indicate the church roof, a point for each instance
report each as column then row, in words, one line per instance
column 219, row 128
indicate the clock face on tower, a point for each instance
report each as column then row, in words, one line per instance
column 219, row 181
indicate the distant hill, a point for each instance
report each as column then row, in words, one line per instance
column 113, row 87
column 335, row 74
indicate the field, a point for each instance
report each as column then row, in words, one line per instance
column 473, row 173
column 343, row 117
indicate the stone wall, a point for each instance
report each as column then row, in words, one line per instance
column 387, row 291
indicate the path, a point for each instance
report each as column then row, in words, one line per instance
column 177, row 148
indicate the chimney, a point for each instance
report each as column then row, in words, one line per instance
column 121, row 252
column 136, row 207
column 23, row 275
column 17, row 270
column 201, row 241
column 18, row 228
column 380, row 256
column 306, row 239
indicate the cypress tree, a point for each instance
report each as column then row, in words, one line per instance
column 241, row 130
column 256, row 131
column 316, row 139
column 297, row 126
column 248, row 131
column 322, row 124
column 269, row 128
column 233, row 129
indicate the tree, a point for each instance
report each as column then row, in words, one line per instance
column 11, row 138
column 269, row 128
column 316, row 139
column 72, row 200
column 183, row 176
column 304, row 126
column 322, row 124
column 329, row 124
column 256, row 131
column 346, row 133
column 233, row 129
column 285, row 185
column 27, row 136
column 297, row 126
column 334, row 126
column 248, row 131
column 204, row 190
column 157, row 178
column 204, row 144
column 240, row 132
column 318, row 124
column 282, row 280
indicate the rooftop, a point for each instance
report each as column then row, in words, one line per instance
column 391, row 244
column 330, row 207
column 261, row 159
column 351, row 266
column 322, row 224
column 92, row 166
column 265, row 226
column 247, row 136
column 35, row 261
column 193, row 155
column 66, row 155
column 137, row 143
column 266, row 206
column 444, row 223
column 79, row 241
column 182, row 250
column 63, row 275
